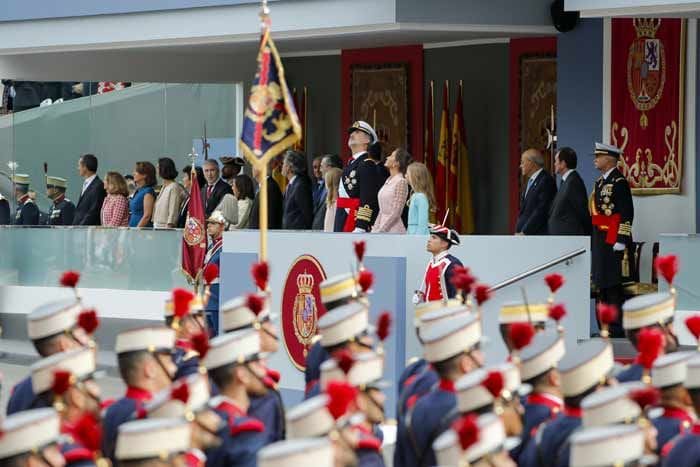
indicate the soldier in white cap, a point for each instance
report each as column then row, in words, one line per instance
column 299, row 452
column 684, row 450
column 216, row 226
column 189, row 321
column 27, row 213
column 62, row 209
column 30, row 439
column 512, row 312
column 609, row 446
column 158, row 442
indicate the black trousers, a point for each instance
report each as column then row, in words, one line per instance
column 613, row 296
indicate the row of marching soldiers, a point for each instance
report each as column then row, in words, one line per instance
column 192, row 401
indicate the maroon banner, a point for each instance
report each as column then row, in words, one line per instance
column 194, row 235
column 647, row 83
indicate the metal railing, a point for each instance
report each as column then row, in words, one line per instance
column 536, row 269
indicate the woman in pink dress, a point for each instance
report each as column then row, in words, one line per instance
column 392, row 196
column 115, row 209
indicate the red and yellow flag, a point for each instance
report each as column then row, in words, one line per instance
column 300, row 105
column 429, row 138
column 443, row 156
column 194, row 235
column 460, row 178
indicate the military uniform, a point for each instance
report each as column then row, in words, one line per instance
column 684, row 450
column 437, row 283
column 369, row 448
column 127, row 408
column 185, row 358
column 27, row 212
column 632, row 372
column 213, row 256
column 62, row 211
column 22, row 398
column 269, row 409
column 5, row 218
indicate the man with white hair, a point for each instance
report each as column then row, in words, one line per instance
column 537, row 198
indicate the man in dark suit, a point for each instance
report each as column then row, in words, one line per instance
column 569, row 213
column 87, row 211
column 215, row 188
column 275, row 203
column 298, row 201
column 537, row 198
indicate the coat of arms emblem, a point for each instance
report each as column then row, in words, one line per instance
column 646, row 67
column 193, row 232
column 305, row 311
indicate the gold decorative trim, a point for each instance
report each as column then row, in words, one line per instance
column 364, row 213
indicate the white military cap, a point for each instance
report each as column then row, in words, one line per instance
column 606, row 150
column 339, row 287
column 166, row 404
column 511, row 379
column 153, row 439
column 542, row 354
column 148, row 339
column 217, row 217
column 234, row 348
column 80, row 363
column 606, row 446
column 343, row 324
column 53, row 318
column 433, row 305
column 492, row 436
column 517, row 312
column 28, row 431
column 235, row 314
column 21, row 179
column 611, row 405
column 471, row 394
column 366, row 371
column 585, row 366
column 430, row 318
column 316, row 452
column 693, row 372
column 647, row 310
column 670, row 369
column 57, row 182
column 451, row 337
column 310, row 419
column 330, row 371
column 366, row 128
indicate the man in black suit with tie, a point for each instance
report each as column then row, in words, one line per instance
column 92, row 195
column 215, row 189
column 537, row 198
column 275, row 203
column 569, row 213
column 298, row 199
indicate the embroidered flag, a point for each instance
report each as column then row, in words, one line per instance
column 194, row 235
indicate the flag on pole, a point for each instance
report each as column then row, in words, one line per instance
column 300, row 105
column 464, row 212
column 194, row 235
column 443, row 155
column 452, row 173
column 429, row 153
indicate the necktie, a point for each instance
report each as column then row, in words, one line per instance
column 529, row 184
column 209, row 189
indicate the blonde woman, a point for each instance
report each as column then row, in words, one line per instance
column 332, row 179
column 422, row 201
column 115, row 209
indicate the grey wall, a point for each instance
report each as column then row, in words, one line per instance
column 522, row 12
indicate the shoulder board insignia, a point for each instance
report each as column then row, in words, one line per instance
column 369, row 442
column 246, row 425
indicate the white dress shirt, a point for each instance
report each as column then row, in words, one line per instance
column 87, row 183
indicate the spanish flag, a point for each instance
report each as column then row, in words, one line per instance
column 443, row 156
column 460, row 181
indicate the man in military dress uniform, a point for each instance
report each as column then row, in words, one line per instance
column 357, row 195
column 27, row 212
column 684, row 450
column 436, row 282
column 62, row 210
column 5, row 218
column 216, row 225
column 612, row 213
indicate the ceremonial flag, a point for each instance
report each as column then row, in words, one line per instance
column 194, row 235
column 443, row 156
column 429, row 153
column 461, row 197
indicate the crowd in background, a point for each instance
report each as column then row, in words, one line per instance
column 24, row 95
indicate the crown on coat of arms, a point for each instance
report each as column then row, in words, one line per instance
column 646, row 27
column 305, row 282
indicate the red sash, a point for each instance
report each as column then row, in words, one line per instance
column 352, row 204
column 609, row 223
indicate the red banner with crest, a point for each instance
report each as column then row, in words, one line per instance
column 647, row 84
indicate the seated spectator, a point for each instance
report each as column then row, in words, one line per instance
column 166, row 212
column 298, row 208
column 332, row 179
column 115, row 209
column 244, row 192
column 187, row 184
column 141, row 204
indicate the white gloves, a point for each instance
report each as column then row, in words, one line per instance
column 619, row 246
column 417, row 298
column 358, row 230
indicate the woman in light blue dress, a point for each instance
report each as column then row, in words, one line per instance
column 422, row 201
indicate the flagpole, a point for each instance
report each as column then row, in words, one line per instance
column 263, row 213
column 447, row 158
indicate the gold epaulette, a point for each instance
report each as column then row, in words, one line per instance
column 625, row 229
column 364, row 213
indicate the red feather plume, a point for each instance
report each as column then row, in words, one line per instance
column 557, row 312
column 61, row 382
column 88, row 320
column 181, row 392
column 645, row 397
column 554, row 281
column 181, row 302
column 467, row 430
column 462, row 281
column 261, row 273
column 607, row 314
column 494, row 383
column 520, row 334
column 88, row 432
column 255, row 303
column 693, row 325
column 667, row 266
column 360, row 247
column 365, row 280
column 340, row 397
column 70, row 279
column 482, row 293
column 211, row 273
column 200, row 344
column 383, row 325
column 650, row 343
column 345, row 360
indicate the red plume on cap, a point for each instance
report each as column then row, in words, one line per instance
column 255, row 303
column 650, row 342
column 260, row 272
column 607, row 314
column 462, row 281
column 88, row 320
column 520, row 334
column 365, row 280
column 181, row 392
column 645, row 397
column 360, row 247
column 344, row 359
column 383, row 325
column 70, row 278
column 181, row 302
column 200, row 343
column 557, row 312
column 667, row 266
column 494, row 383
column 693, row 325
column 211, row 273
column 482, row 293
column 554, row 281
column 460, row 270
column 61, row 382
column 88, row 432
column 340, row 396
column 467, row 430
